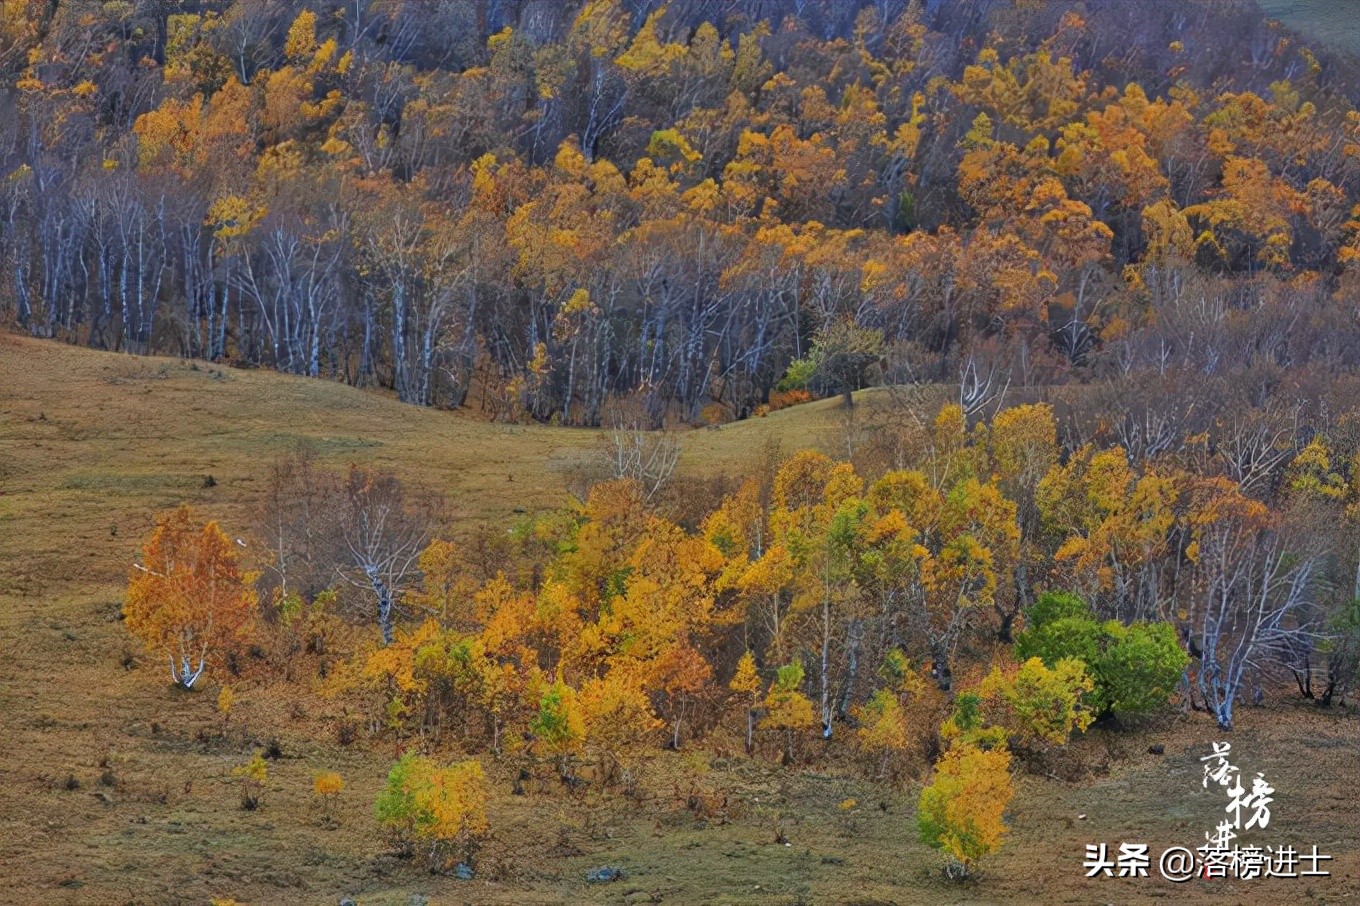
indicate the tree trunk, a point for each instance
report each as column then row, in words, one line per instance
column 186, row 675
column 1223, row 715
column 384, row 604
column 853, row 639
column 826, row 665
column 939, row 668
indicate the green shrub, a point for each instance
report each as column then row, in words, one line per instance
column 1135, row 667
column 1140, row 666
column 1057, row 605
column 799, row 374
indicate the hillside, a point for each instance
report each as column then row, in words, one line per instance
column 107, row 439
column 679, row 451
column 572, row 204
column 92, row 444
column 1330, row 22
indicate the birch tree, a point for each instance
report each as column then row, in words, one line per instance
column 189, row 599
column 1256, row 587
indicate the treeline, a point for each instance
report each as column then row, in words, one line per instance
column 546, row 209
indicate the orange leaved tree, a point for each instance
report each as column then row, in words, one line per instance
column 189, row 599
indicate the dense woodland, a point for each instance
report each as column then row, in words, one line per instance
column 1122, row 235
column 541, row 208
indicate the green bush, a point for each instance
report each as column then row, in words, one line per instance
column 396, row 806
column 799, row 374
column 1057, row 605
column 1140, row 667
column 1135, row 667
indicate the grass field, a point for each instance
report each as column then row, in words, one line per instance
column 116, row 789
column 1333, row 23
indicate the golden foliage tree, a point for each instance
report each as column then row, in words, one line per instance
column 746, row 684
column 786, row 707
column 435, row 805
column 560, row 725
column 883, row 726
column 226, row 700
column 327, row 786
column 189, row 599
column 961, row 811
column 1038, row 703
column 254, row 774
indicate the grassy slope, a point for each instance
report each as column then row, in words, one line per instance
column 1329, row 22
column 92, row 444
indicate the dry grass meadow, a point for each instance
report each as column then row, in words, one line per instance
column 115, row 789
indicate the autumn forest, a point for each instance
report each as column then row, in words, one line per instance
column 950, row 400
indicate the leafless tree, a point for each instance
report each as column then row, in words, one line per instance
column 297, row 521
column 1253, row 447
column 981, row 387
column 647, row 457
column 1149, row 436
column 1252, row 613
column 385, row 529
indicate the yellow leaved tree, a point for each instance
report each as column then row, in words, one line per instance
column 746, row 685
column 425, row 803
column 327, row 786
column 960, row 812
column 786, row 707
